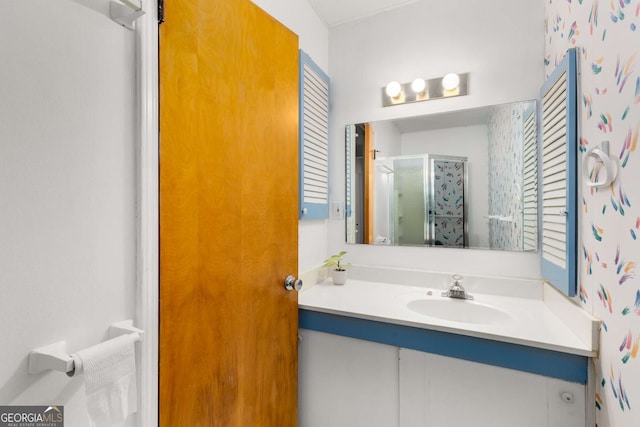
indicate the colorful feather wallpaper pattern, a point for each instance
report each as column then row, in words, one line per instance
column 506, row 129
column 607, row 37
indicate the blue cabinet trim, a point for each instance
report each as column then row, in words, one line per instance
column 549, row 363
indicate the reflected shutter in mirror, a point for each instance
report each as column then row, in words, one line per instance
column 530, row 182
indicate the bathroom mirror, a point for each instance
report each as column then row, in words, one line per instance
column 465, row 179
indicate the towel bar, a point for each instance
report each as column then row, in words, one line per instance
column 55, row 356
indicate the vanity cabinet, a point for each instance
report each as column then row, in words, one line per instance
column 346, row 382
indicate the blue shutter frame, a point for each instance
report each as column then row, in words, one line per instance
column 308, row 210
column 565, row 279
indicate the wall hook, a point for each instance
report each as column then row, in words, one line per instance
column 125, row 12
column 604, row 165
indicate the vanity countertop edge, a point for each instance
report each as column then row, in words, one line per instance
column 549, row 320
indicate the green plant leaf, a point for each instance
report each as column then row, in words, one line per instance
column 336, row 260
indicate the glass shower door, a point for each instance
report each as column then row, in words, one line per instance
column 410, row 200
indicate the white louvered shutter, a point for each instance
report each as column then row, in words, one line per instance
column 558, row 176
column 554, row 173
column 314, row 140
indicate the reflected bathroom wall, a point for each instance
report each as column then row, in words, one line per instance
column 506, row 130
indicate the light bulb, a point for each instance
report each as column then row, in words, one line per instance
column 450, row 81
column 418, row 85
column 393, row 89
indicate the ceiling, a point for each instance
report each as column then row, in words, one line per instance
column 336, row 12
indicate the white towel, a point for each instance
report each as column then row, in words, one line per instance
column 110, row 380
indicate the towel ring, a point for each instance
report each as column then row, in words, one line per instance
column 603, row 164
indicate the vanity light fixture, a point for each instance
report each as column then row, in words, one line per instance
column 393, row 89
column 419, row 88
column 422, row 90
column 450, row 81
column 418, row 85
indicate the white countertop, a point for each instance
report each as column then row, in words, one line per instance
column 530, row 322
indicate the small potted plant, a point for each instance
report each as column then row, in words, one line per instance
column 339, row 273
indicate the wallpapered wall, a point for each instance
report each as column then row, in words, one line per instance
column 506, row 131
column 608, row 38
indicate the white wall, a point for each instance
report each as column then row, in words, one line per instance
column 500, row 43
column 313, row 35
column 465, row 141
column 67, row 189
column 386, row 139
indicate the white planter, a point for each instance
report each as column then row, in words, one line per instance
column 339, row 276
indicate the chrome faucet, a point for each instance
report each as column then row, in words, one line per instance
column 456, row 290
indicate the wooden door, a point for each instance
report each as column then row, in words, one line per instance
column 228, row 216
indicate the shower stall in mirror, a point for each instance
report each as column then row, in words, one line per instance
column 420, row 200
column 414, row 200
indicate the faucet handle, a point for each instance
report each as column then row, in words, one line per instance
column 456, row 290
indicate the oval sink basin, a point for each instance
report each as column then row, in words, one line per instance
column 465, row 311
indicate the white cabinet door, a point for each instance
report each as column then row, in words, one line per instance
column 442, row 391
column 345, row 382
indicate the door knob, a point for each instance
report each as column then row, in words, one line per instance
column 291, row 283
